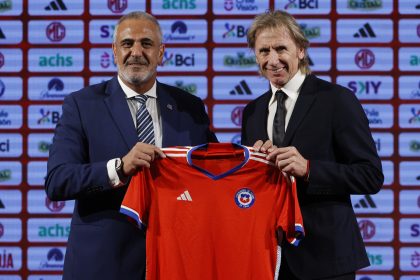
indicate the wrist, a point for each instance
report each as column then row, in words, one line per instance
column 119, row 168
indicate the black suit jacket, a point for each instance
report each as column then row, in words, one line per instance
column 329, row 127
column 96, row 126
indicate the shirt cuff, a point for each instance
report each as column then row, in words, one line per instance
column 114, row 180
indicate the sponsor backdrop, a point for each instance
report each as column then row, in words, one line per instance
column 49, row 48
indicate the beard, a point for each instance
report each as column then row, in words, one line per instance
column 136, row 77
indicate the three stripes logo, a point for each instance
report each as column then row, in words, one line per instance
column 241, row 89
column 185, row 196
column 365, row 32
column 56, row 5
column 366, row 202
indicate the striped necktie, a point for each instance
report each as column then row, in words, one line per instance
column 144, row 122
column 279, row 119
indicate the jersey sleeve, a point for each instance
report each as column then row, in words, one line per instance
column 290, row 218
column 137, row 199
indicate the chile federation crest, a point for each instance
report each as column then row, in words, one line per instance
column 244, row 198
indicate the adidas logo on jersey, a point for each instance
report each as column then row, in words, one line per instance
column 185, row 196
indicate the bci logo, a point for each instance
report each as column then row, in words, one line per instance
column 233, row 30
column 301, row 4
column 5, row 146
column 48, row 117
column 367, row 87
column 178, row 59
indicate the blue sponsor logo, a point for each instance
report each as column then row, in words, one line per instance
column 55, row 259
column 179, row 32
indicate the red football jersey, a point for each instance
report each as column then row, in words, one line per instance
column 213, row 212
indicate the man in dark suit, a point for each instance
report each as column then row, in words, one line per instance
column 96, row 148
column 322, row 137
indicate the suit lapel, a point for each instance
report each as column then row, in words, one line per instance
column 306, row 97
column 120, row 113
column 169, row 114
column 261, row 115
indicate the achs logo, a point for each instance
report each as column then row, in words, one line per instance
column 364, row 59
column 54, row 89
column 55, row 31
column 244, row 198
column 416, row 116
column 55, row 61
column 311, row 33
column 190, row 88
column 117, row 6
column 54, row 206
column 240, row 60
column 367, row 229
column 55, row 259
column 179, row 5
column 178, row 28
column 5, row 5
column 236, row 115
column 2, row 88
column 414, row 60
column 364, row 4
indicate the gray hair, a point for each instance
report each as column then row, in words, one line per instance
column 280, row 19
column 137, row 15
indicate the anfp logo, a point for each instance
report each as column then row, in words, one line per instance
column 364, row 59
column 55, row 31
column 117, row 6
column 367, row 229
column 236, row 115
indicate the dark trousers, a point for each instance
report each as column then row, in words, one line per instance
column 286, row 274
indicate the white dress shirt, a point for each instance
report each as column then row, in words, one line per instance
column 291, row 89
column 133, row 105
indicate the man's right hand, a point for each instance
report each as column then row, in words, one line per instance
column 141, row 155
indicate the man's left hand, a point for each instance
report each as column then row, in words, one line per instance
column 289, row 160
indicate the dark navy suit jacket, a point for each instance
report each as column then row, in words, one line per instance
column 329, row 127
column 96, row 126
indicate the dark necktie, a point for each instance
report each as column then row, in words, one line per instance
column 144, row 123
column 279, row 119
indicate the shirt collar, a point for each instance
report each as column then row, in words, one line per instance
column 291, row 89
column 129, row 93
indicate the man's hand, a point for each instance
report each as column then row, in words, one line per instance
column 289, row 160
column 141, row 155
column 267, row 146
